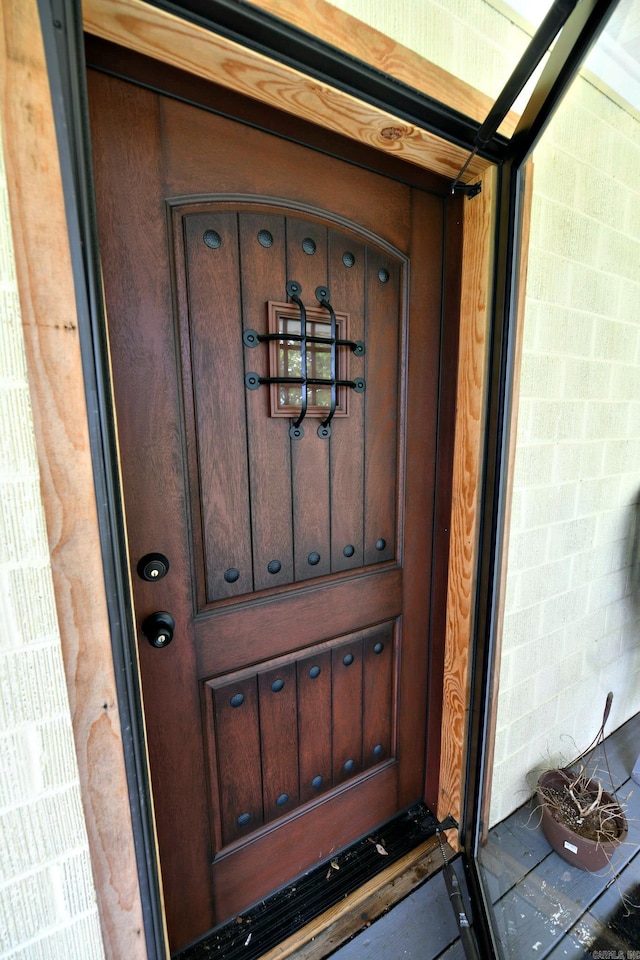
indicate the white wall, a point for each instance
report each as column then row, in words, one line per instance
column 47, row 901
column 572, row 627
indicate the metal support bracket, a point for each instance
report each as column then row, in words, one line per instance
column 470, row 190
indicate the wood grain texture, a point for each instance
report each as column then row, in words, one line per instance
column 138, row 26
column 370, row 45
column 55, row 368
column 58, row 402
column 474, row 317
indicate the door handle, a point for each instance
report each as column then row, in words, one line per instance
column 158, row 628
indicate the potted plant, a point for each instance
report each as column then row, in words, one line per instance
column 583, row 822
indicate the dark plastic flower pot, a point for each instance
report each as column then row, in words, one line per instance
column 579, row 851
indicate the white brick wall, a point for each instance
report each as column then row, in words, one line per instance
column 47, row 900
column 572, row 630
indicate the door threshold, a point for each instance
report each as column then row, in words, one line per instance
column 326, row 906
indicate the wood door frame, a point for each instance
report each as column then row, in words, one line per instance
column 63, row 428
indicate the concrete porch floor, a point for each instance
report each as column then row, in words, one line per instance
column 543, row 907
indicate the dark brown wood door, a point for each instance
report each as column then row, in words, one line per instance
column 287, row 717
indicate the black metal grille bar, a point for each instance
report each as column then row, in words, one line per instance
column 252, row 380
column 293, row 291
column 251, row 339
column 322, row 296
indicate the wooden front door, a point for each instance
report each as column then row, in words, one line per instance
column 274, row 322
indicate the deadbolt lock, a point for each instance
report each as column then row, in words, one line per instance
column 153, row 566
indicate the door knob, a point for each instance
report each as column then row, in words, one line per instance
column 158, row 628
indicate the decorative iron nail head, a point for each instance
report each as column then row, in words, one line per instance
column 265, row 238
column 237, row 700
column 212, row 239
column 309, row 246
column 231, row 575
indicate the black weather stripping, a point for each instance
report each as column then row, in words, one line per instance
column 257, row 930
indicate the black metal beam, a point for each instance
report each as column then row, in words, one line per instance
column 546, row 33
column 287, row 44
column 581, row 30
column 579, row 34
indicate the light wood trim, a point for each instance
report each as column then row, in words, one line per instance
column 477, row 260
column 336, row 925
column 57, row 395
column 138, row 26
column 364, row 42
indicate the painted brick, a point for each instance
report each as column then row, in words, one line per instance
column 562, row 610
column 618, row 615
column 615, row 340
column 27, row 908
column 588, row 379
column 555, row 420
column 577, row 460
column 77, row 940
column 520, row 628
column 588, row 628
column 560, row 329
column 549, row 580
column 631, row 634
column 528, row 549
column 611, row 526
column 571, row 537
column 606, row 590
column 548, row 504
column 552, row 682
column 47, row 904
column 40, row 832
column 596, row 495
column 534, row 464
column 621, row 456
column 22, row 532
column 542, row 376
